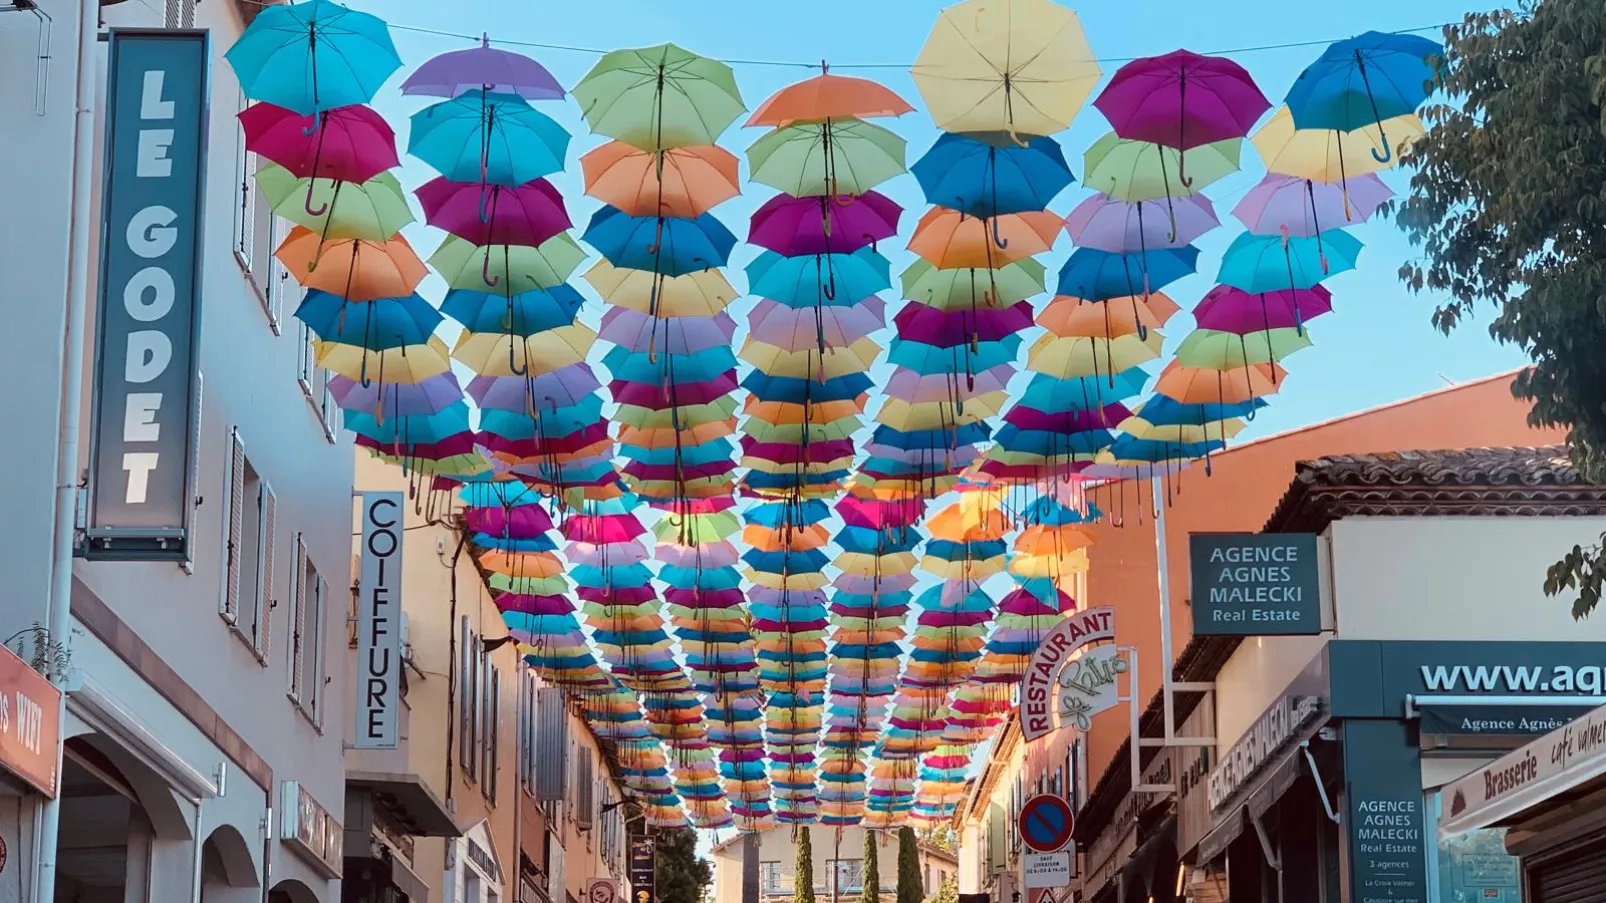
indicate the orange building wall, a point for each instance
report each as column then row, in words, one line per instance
column 1245, row 484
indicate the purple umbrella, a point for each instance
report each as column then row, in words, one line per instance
column 793, row 226
column 639, row 331
column 796, row 329
column 618, row 553
column 916, row 388
column 1182, row 100
column 1228, row 309
column 1120, row 227
column 483, row 68
column 951, row 329
column 562, row 387
column 385, row 399
column 1076, row 420
column 1291, row 205
column 707, row 555
column 866, row 584
column 535, row 605
column 959, row 457
column 769, row 595
column 528, row 214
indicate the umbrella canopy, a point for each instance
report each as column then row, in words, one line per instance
column 313, row 56
column 982, row 179
column 1327, row 155
column 1281, row 204
column 669, row 246
column 827, row 96
column 354, row 269
column 1182, row 100
column 826, row 158
column 483, row 68
column 488, row 138
column 527, row 214
column 681, row 181
column 375, row 209
column 794, row 226
column 1130, row 170
column 1121, row 227
column 1363, row 82
column 352, row 143
column 661, row 97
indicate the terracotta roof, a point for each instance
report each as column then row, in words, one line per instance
column 1478, row 482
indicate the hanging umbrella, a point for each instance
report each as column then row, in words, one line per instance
column 1200, row 385
column 826, row 158
column 483, row 68
column 984, row 180
column 313, row 56
column 524, row 313
column 794, row 226
column 1225, row 350
column 513, row 268
column 1292, row 205
column 406, row 364
column 354, row 269
column 526, row 214
column 681, row 181
column 1182, row 100
column 377, row 324
column 373, row 210
column 699, row 294
column 1228, row 309
column 796, row 330
column 1066, row 315
column 1122, row 227
column 948, row 239
column 1327, row 155
column 1021, row 67
column 352, row 143
column 827, row 96
column 561, row 387
column 973, row 288
column 1268, row 263
column 1363, row 82
column 488, row 138
column 657, row 98
column 814, row 280
column 1099, row 275
column 669, row 246
column 382, row 400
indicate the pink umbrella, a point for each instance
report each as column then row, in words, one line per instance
column 660, row 395
column 793, row 226
column 351, row 144
column 1120, row 227
column 517, row 522
column 602, row 528
column 915, row 388
column 953, row 328
column 528, row 214
column 639, row 331
column 795, row 329
column 1295, row 206
column 1228, row 309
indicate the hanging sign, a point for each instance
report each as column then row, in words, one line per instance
column 1041, row 680
column 601, row 890
column 30, row 723
column 1087, row 685
column 1277, row 727
column 1046, row 822
column 642, row 868
column 379, row 612
column 1254, row 584
column 146, row 386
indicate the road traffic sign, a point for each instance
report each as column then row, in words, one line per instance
column 1045, row 823
column 601, row 890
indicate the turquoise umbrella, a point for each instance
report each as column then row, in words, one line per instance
column 1272, row 263
column 313, row 56
column 819, row 279
column 488, row 138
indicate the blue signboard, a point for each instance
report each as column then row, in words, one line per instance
column 143, row 426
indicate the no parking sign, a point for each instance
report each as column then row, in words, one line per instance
column 1046, row 822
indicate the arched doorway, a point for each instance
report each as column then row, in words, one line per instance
column 228, row 873
column 291, row 891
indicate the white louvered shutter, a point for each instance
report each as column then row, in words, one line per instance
column 298, row 622
column 236, row 524
column 267, row 511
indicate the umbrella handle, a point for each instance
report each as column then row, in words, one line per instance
column 512, row 360
column 485, row 215
column 1185, row 180
column 1388, row 152
column 307, row 204
column 842, row 200
column 485, row 271
column 317, row 123
column 829, row 288
column 998, row 239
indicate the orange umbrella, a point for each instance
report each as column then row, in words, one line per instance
column 1200, row 385
column 683, row 181
column 819, row 412
column 827, row 96
column 798, row 539
column 354, row 269
column 1071, row 316
column 522, row 564
column 666, row 438
column 950, row 240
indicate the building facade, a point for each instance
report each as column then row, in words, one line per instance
column 202, row 728
column 838, row 864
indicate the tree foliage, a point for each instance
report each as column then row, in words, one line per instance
column 871, row 892
column 910, row 889
column 682, row 876
column 803, row 871
column 943, row 837
column 946, row 892
column 1508, row 204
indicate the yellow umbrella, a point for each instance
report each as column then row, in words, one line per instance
column 1182, row 434
column 1022, row 67
column 500, row 354
column 936, row 415
column 804, row 580
column 837, row 362
column 863, row 564
column 1328, row 155
column 1053, row 567
column 700, row 294
column 972, row 569
column 1077, row 356
column 407, row 364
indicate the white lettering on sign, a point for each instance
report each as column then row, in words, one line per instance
column 379, row 622
column 149, row 294
column 1268, row 735
column 1037, row 684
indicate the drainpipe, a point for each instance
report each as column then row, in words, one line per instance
column 60, row 612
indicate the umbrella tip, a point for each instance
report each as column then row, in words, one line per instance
column 825, row 68
column 485, row 39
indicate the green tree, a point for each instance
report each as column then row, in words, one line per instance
column 1508, row 204
column 871, row 892
column 682, row 876
column 942, row 837
column 946, row 892
column 803, row 873
column 910, row 886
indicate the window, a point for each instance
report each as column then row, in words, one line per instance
column 308, row 593
column 491, row 725
column 848, row 875
column 314, row 382
column 249, row 578
column 257, row 232
column 1471, row 867
column 472, row 887
column 526, row 728
column 467, row 675
column 770, row 875
column 585, row 790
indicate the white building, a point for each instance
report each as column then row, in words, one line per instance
column 202, row 720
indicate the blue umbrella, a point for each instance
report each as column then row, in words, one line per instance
column 641, row 367
column 377, row 325
column 667, row 245
column 1271, row 263
column 792, row 390
column 928, row 360
column 551, row 422
column 1082, row 393
column 1162, row 411
column 1100, row 275
column 488, row 138
column 313, row 56
column 1363, row 81
column 419, row 429
column 813, row 280
column 982, row 180
column 523, row 314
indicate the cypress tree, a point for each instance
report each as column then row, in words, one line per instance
column 909, row 883
column 872, row 871
column 803, row 873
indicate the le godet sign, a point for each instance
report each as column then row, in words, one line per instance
column 1052, row 666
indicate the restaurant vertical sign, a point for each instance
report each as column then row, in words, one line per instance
column 143, row 424
column 379, row 614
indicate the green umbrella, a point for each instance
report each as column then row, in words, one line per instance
column 968, row 289
column 373, row 210
column 530, row 586
column 831, row 157
column 792, row 433
column 1134, row 171
column 657, row 98
column 1214, row 350
column 654, row 418
column 508, row 268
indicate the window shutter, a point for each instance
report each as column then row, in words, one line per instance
column 496, row 729
column 265, row 590
column 315, row 638
column 551, row 744
column 465, row 692
column 236, row 524
column 298, row 621
column 585, row 797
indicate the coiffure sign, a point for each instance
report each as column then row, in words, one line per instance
column 1037, row 686
column 1270, row 734
column 142, row 429
column 379, row 613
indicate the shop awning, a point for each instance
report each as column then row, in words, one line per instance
column 1488, row 715
column 409, row 800
column 1527, row 777
column 1254, row 804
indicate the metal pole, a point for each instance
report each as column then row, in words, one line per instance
column 1163, row 567
column 66, row 513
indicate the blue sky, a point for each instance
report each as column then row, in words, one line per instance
column 1376, row 347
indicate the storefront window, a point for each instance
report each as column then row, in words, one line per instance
column 1474, row 867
